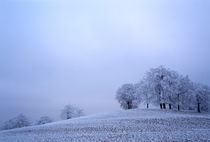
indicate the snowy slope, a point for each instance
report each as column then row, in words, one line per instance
column 121, row 126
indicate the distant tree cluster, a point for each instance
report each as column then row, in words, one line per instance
column 16, row 122
column 162, row 86
column 23, row 121
column 69, row 112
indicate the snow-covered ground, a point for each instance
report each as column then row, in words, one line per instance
column 121, row 126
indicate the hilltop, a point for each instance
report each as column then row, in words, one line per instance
column 127, row 126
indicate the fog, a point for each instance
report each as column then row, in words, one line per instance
column 57, row 52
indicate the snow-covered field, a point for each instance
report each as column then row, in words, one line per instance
column 121, row 126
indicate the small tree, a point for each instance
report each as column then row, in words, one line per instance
column 144, row 92
column 44, row 120
column 127, row 97
column 182, row 87
column 202, row 96
column 17, row 122
column 71, row 111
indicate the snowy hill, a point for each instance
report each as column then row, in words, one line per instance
column 127, row 126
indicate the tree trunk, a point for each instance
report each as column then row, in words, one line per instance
column 68, row 115
column 147, row 105
column 164, row 106
column 178, row 103
column 198, row 109
column 161, row 106
column 169, row 106
column 129, row 105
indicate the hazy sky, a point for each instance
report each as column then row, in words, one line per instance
column 55, row 52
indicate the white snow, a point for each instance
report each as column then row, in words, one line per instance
column 121, row 126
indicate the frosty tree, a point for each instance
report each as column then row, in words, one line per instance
column 44, row 120
column 144, row 92
column 17, row 122
column 71, row 111
column 164, row 86
column 202, row 97
column 126, row 96
column 181, row 88
column 159, row 80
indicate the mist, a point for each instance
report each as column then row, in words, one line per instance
column 80, row 52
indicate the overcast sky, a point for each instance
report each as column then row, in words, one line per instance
column 55, row 52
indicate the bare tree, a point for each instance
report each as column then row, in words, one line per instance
column 71, row 111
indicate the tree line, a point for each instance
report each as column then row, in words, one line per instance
column 68, row 112
column 164, row 87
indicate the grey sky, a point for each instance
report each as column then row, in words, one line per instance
column 57, row 52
